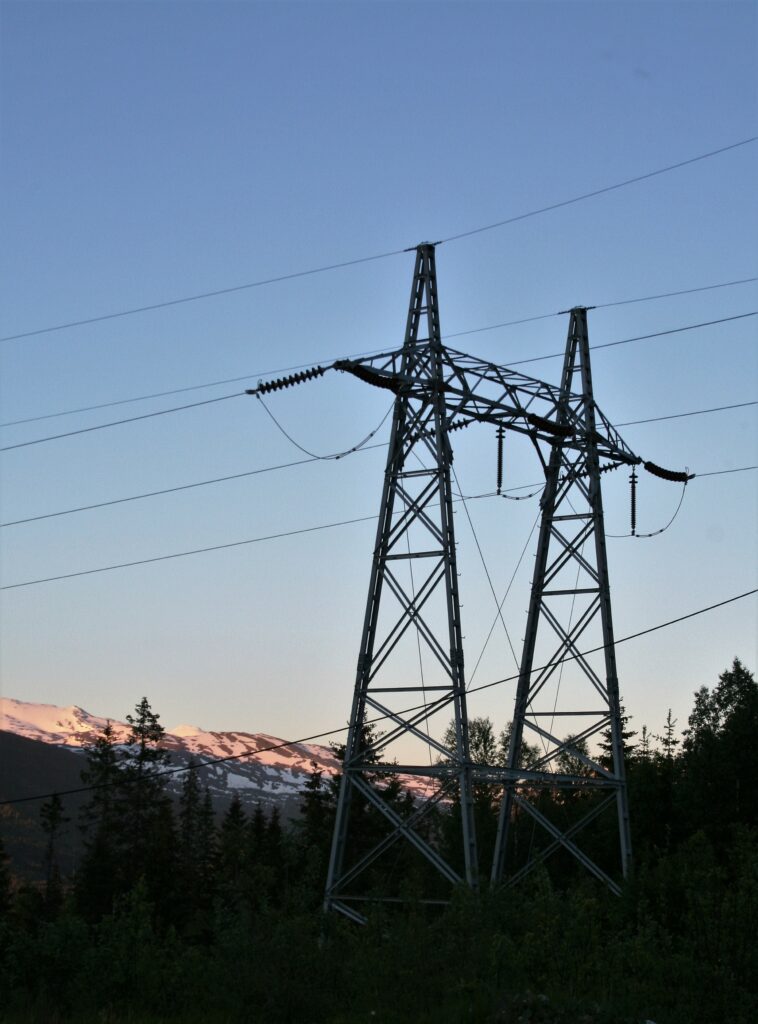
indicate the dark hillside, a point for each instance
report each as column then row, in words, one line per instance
column 28, row 768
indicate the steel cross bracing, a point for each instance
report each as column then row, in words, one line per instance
column 474, row 390
column 437, row 390
column 413, row 570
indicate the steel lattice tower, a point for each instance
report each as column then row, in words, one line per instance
column 570, row 589
column 414, row 585
column 414, row 556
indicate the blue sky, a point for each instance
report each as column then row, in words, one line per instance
column 156, row 150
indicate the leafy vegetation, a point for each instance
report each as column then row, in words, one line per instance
column 175, row 916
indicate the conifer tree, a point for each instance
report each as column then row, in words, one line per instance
column 644, row 749
column 606, row 744
column 97, row 880
column 189, row 849
column 232, row 847
column 667, row 740
column 257, row 833
column 5, row 881
column 102, row 775
column 134, row 838
column 317, row 813
column 146, row 824
column 52, row 820
column 190, row 809
column 720, row 756
column 274, row 836
column 207, row 839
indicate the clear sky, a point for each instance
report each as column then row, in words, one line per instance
column 157, row 150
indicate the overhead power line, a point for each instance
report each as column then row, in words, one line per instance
column 172, row 490
column 379, row 256
column 118, row 423
column 638, row 337
column 721, row 472
column 253, row 540
column 681, row 415
column 194, row 551
column 630, row 636
column 356, row 355
column 669, row 295
column 202, row 551
column 203, row 295
column 598, row 191
column 196, row 766
column 339, row 455
column 517, row 362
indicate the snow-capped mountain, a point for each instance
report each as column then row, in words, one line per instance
column 261, row 768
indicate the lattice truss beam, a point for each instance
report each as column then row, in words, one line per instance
column 477, row 391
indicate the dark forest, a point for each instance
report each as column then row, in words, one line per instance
column 179, row 913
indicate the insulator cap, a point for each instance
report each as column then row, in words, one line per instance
column 548, row 426
column 365, row 373
column 667, row 474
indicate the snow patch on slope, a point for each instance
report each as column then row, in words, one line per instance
column 71, row 726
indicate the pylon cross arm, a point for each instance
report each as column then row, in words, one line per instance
column 494, row 394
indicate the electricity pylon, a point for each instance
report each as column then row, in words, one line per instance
column 570, row 589
column 414, row 576
column 414, row 557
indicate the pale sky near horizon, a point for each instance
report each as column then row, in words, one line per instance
column 152, row 151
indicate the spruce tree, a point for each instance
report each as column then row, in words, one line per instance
column 606, row 743
column 147, row 844
column 189, row 850
column 667, row 741
column 52, row 820
column 317, row 814
column 5, row 881
column 207, row 840
column 143, row 799
column 97, row 880
column 257, row 833
column 190, row 809
column 273, row 841
column 232, row 848
column 644, row 749
column 102, row 775
column 720, row 756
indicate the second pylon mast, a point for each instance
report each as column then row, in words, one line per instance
column 410, row 665
column 567, row 698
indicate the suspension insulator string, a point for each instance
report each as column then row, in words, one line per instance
column 500, row 436
column 633, row 482
column 264, row 387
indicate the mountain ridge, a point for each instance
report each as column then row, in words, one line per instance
column 228, row 763
column 248, row 766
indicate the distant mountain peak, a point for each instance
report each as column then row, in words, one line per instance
column 185, row 730
column 260, row 767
